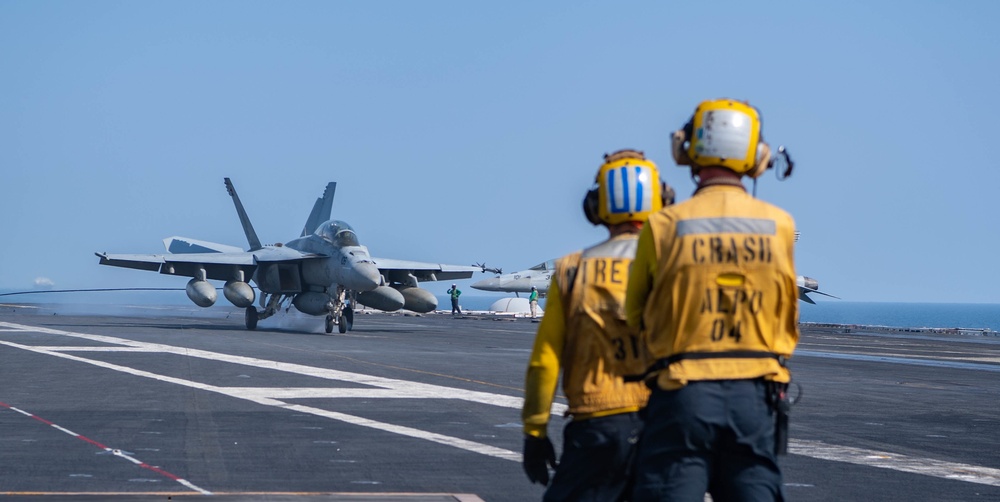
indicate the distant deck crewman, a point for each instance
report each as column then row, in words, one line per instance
column 455, row 293
column 533, row 302
column 583, row 334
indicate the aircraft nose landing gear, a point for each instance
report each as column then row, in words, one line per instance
column 344, row 323
column 341, row 314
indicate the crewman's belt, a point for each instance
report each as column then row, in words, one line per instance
column 662, row 364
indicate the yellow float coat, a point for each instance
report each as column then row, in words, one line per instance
column 713, row 287
column 584, row 334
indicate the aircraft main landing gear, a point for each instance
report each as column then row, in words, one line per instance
column 270, row 303
column 349, row 318
column 251, row 318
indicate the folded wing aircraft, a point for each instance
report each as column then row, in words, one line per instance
column 540, row 276
column 323, row 272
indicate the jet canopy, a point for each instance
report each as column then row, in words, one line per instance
column 338, row 233
column 541, row 267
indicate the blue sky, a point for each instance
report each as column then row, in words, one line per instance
column 469, row 131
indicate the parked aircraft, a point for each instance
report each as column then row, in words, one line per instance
column 324, row 271
column 540, row 276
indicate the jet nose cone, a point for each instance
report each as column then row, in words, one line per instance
column 364, row 277
column 491, row 284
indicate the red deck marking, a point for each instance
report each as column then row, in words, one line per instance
column 166, row 474
column 159, row 471
column 42, row 420
column 91, row 441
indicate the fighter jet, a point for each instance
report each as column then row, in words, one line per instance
column 323, row 272
column 540, row 276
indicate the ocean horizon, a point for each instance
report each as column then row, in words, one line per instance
column 890, row 314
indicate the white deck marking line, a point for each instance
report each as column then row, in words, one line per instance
column 327, row 393
column 463, row 444
column 67, row 431
column 896, row 462
column 25, row 413
column 814, row 449
column 417, row 388
column 95, row 349
column 911, row 360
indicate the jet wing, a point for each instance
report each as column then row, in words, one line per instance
column 400, row 270
column 219, row 266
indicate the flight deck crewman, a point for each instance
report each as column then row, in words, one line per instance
column 713, row 289
column 533, row 302
column 454, row 292
column 583, row 333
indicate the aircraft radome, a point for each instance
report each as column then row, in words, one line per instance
column 323, row 272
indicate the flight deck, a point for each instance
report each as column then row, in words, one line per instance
column 151, row 403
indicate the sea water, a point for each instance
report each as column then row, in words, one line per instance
column 902, row 315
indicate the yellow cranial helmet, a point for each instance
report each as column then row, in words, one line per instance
column 726, row 133
column 627, row 188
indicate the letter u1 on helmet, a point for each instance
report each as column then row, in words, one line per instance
column 628, row 188
column 725, row 133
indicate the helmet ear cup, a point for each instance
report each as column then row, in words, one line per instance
column 679, row 142
column 667, row 195
column 763, row 160
column 590, row 202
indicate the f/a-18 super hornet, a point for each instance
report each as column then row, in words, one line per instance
column 323, row 272
column 540, row 276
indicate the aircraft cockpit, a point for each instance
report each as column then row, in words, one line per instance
column 541, row 267
column 338, row 233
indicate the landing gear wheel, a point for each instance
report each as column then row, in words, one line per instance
column 349, row 317
column 251, row 318
column 329, row 324
column 342, row 325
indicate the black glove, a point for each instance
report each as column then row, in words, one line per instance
column 539, row 455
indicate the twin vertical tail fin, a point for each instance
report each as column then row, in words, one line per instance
column 321, row 209
column 244, row 219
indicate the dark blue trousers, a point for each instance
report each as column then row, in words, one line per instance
column 595, row 465
column 709, row 436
